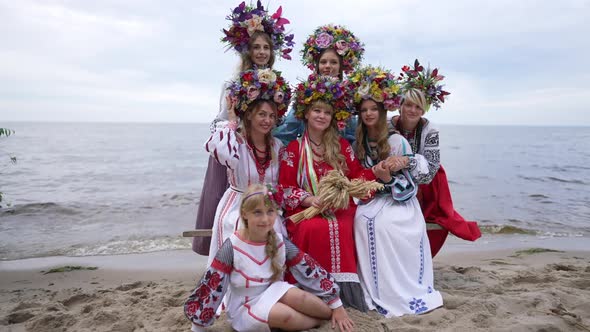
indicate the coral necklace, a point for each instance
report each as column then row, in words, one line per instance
column 262, row 163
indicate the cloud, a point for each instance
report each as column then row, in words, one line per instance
column 505, row 62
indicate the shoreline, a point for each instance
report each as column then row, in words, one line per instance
column 491, row 288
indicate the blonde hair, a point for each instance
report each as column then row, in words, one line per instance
column 417, row 97
column 255, row 195
column 331, row 140
column 247, row 62
column 246, row 124
column 383, row 147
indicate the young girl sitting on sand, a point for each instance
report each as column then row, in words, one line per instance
column 251, row 263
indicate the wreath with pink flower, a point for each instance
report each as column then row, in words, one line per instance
column 377, row 84
column 338, row 38
column 327, row 89
column 246, row 19
column 255, row 84
column 425, row 80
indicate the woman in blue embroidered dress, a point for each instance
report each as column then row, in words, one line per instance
column 251, row 263
column 394, row 261
column 256, row 50
column 331, row 50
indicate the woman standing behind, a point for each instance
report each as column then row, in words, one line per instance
column 250, row 153
column 395, row 266
column 328, row 237
column 255, row 36
column 251, row 264
column 331, row 50
column 423, row 89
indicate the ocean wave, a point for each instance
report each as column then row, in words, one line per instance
column 131, row 246
column 39, row 208
column 552, row 178
column 506, row 229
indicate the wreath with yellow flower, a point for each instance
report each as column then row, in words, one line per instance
column 377, row 84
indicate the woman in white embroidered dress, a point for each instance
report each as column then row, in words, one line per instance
column 251, row 263
column 257, row 50
column 394, row 261
column 250, row 153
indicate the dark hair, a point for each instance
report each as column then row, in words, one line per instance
column 247, row 62
column 340, row 69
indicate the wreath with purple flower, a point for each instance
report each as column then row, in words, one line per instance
column 255, row 84
column 327, row 89
column 338, row 38
column 425, row 80
column 246, row 19
column 377, row 84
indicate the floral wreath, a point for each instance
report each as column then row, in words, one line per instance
column 427, row 81
column 335, row 37
column 245, row 20
column 328, row 89
column 274, row 194
column 266, row 84
column 377, row 84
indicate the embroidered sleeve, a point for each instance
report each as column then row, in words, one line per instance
column 427, row 161
column 221, row 117
column 223, row 146
column 355, row 169
column 293, row 194
column 201, row 305
column 311, row 276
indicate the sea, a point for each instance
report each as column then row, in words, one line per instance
column 87, row 189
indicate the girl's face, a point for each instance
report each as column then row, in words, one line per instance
column 260, row 51
column 369, row 113
column 260, row 220
column 263, row 120
column 319, row 117
column 410, row 113
column 329, row 64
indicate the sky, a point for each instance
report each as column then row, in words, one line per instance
column 505, row 62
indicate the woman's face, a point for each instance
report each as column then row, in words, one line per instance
column 329, row 64
column 260, row 51
column 319, row 117
column 260, row 220
column 262, row 120
column 410, row 113
column 369, row 113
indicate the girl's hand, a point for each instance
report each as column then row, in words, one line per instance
column 232, row 102
column 382, row 172
column 396, row 163
column 340, row 318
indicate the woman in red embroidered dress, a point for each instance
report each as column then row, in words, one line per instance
column 329, row 237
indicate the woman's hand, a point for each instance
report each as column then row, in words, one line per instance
column 382, row 172
column 396, row 163
column 313, row 201
column 231, row 107
column 340, row 318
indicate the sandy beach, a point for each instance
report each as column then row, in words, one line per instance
column 519, row 289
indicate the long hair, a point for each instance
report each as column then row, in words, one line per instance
column 255, row 195
column 247, row 62
column 383, row 147
column 331, row 140
column 340, row 64
column 246, row 124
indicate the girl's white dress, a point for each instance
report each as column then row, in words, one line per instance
column 395, row 265
column 244, row 268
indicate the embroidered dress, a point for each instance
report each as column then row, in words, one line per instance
column 230, row 149
column 244, row 267
column 434, row 194
column 328, row 238
column 395, row 265
column 214, row 186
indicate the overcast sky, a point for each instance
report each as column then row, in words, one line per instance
column 505, row 62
